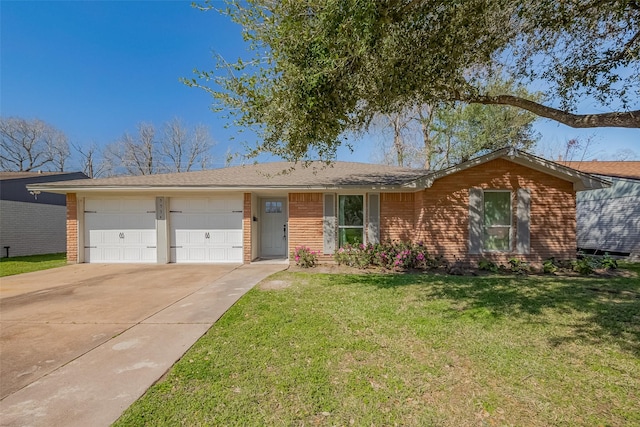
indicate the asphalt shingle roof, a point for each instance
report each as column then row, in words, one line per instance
column 621, row 169
column 267, row 175
column 22, row 175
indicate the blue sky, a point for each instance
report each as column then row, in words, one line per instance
column 96, row 69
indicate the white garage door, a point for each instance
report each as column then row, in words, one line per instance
column 120, row 230
column 206, row 229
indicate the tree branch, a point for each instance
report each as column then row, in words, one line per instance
column 629, row 119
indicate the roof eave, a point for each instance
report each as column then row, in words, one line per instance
column 193, row 189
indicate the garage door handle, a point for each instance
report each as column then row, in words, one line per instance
column 175, row 247
column 236, row 247
column 150, row 247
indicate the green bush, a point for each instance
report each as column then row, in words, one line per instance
column 585, row 264
column 549, row 266
column 519, row 266
column 395, row 255
column 486, row 265
column 608, row 263
column 305, row 257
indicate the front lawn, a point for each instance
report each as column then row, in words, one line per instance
column 412, row 350
column 26, row 264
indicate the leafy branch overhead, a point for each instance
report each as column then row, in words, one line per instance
column 325, row 68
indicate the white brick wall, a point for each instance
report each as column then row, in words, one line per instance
column 32, row 228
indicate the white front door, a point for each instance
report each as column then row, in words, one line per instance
column 273, row 228
column 120, row 230
column 206, row 229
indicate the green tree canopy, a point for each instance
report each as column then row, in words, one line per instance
column 324, row 68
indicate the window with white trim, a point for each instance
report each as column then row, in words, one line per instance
column 350, row 219
column 497, row 221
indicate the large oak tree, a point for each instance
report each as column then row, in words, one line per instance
column 324, row 68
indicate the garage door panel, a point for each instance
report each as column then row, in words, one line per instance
column 225, row 221
column 234, row 238
column 139, row 255
column 120, row 230
column 204, row 230
column 235, row 253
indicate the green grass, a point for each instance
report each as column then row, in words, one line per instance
column 412, row 350
column 26, row 264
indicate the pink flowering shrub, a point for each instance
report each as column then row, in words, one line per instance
column 390, row 255
column 357, row 255
column 305, row 257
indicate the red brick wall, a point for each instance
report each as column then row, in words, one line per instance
column 397, row 216
column 442, row 211
column 439, row 215
column 305, row 221
column 246, row 229
column 72, row 228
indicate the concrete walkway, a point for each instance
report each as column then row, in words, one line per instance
column 95, row 388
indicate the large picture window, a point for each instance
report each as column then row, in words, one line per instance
column 497, row 221
column 350, row 220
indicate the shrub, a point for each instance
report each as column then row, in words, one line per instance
column 389, row 255
column 305, row 257
column 585, row 264
column 549, row 266
column 608, row 263
column 486, row 265
column 357, row 255
column 519, row 266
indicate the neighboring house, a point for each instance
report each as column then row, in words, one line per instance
column 504, row 204
column 609, row 219
column 32, row 224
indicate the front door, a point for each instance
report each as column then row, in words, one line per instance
column 273, row 228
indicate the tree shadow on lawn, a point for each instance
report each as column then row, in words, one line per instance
column 601, row 310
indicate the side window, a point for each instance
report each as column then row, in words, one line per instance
column 497, row 221
column 350, row 220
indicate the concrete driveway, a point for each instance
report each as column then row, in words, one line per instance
column 80, row 343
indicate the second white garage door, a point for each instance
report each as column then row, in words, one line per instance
column 206, row 229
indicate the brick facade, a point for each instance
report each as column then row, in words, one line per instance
column 442, row 211
column 397, row 216
column 305, row 221
column 72, row 228
column 439, row 215
column 246, row 229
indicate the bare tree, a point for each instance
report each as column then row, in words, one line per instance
column 27, row 145
column 91, row 165
column 133, row 156
column 178, row 149
column 183, row 149
column 58, row 148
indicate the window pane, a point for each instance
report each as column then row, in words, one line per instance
column 349, row 235
column 497, row 208
column 496, row 238
column 497, row 221
column 350, row 211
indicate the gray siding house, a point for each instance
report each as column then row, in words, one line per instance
column 608, row 220
column 32, row 224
